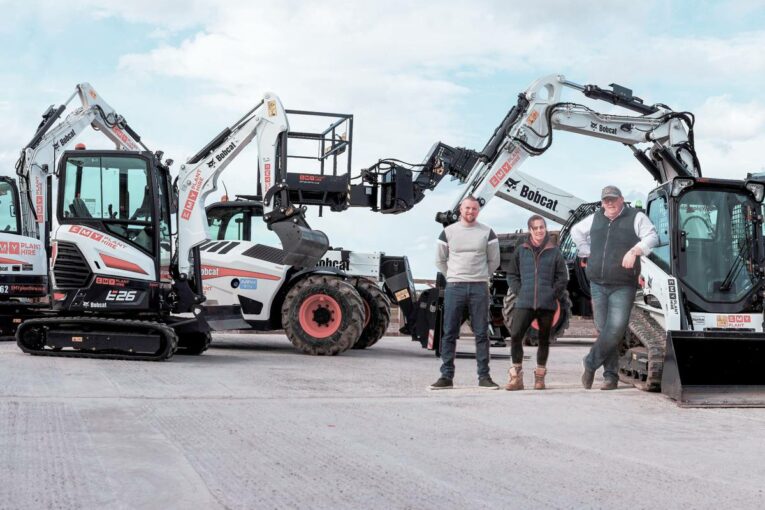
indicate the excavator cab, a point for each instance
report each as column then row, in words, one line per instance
column 711, row 242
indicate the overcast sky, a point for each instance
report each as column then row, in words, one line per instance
column 411, row 73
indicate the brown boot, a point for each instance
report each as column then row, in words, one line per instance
column 539, row 378
column 516, row 378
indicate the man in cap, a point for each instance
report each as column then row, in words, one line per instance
column 612, row 239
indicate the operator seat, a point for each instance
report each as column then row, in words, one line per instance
column 79, row 209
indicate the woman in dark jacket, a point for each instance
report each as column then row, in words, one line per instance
column 538, row 277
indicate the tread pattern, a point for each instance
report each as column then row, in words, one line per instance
column 379, row 305
column 169, row 346
column 352, row 321
column 644, row 337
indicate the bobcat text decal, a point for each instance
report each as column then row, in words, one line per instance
column 209, row 272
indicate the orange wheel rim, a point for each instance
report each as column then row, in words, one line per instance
column 320, row 315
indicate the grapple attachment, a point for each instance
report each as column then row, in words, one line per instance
column 304, row 246
column 715, row 368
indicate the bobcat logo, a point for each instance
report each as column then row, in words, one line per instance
column 513, row 184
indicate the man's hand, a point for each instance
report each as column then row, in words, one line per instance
column 628, row 262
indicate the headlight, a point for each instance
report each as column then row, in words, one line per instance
column 680, row 183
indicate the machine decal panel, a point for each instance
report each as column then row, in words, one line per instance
column 102, row 251
column 672, row 292
column 39, row 200
column 248, row 283
column 209, row 272
column 745, row 321
column 402, row 295
column 19, row 248
column 126, row 141
column 191, row 198
column 733, row 321
column 104, row 239
column 508, row 165
column 538, row 198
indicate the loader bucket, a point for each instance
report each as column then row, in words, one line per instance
column 304, row 247
column 715, row 368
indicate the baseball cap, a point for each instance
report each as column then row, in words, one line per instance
column 610, row 192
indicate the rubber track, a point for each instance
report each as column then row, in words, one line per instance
column 653, row 341
column 171, row 343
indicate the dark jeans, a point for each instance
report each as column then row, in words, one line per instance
column 458, row 297
column 522, row 319
column 611, row 306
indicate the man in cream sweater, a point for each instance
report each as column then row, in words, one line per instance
column 467, row 254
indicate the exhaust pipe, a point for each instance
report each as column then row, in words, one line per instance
column 715, row 368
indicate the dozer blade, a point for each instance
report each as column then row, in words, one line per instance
column 304, row 246
column 715, row 368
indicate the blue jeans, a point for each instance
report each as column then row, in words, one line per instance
column 611, row 306
column 458, row 297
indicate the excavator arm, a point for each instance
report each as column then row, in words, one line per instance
column 52, row 138
column 266, row 122
column 661, row 140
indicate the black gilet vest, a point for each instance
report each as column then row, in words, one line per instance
column 610, row 240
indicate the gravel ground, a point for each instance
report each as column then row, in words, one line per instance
column 253, row 424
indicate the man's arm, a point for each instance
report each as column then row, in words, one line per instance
column 649, row 239
column 646, row 231
column 580, row 234
column 442, row 253
column 492, row 252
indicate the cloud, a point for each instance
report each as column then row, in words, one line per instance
column 414, row 73
column 723, row 118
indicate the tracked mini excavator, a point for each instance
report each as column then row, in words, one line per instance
column 696, row 331
column 120, row 288
column 24, row 289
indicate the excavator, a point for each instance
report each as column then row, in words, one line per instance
column 120, row 287
column 696, row 331
column 24, row 291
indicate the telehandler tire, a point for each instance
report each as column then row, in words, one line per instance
column 376, row 313
column 323, row 315
column 560, row 322
column 193, row 343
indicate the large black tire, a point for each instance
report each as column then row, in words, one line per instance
column 532, row 335
column 376, row 313
column 193, row 343
column 318, row 302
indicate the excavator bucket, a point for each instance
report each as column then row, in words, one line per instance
column 715, row 369
column 304, row 247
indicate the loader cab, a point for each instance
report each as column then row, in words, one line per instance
column 124, row 194
column 711, row 239
column 240, row 220
column 10, row 222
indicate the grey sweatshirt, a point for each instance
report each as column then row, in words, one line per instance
column 467, row 253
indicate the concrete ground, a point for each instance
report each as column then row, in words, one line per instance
column 253, row 424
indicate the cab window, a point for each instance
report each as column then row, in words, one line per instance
column 113, row 189
column 8, row 220
column 658, row 213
